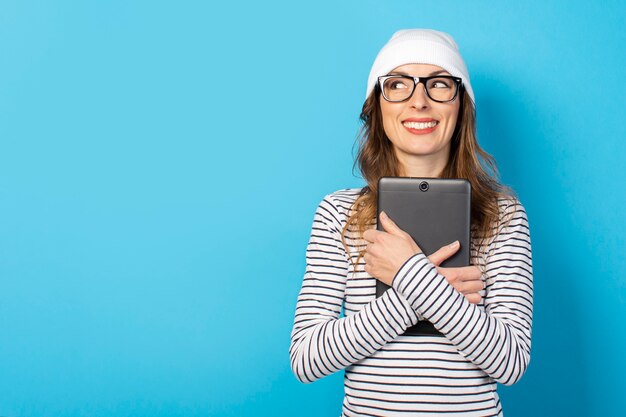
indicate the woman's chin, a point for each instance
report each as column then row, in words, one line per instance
column 423, row 151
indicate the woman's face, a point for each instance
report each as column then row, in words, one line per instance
column 420, row 129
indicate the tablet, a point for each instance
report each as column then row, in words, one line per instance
column 435, row 212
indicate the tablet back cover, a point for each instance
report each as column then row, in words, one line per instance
column 434, row 215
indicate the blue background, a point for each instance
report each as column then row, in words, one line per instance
column 160, row 164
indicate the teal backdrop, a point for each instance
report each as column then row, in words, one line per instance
column 160, row 164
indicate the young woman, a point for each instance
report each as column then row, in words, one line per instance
column 419, row 121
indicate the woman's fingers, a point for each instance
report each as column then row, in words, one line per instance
column 390, row 226
column 386, row 251
column 473, row 298
column 393, row 229
column 468, row 287
column 371, row 235
column 469, row 273
column 467, row 280
column 444, row 253
column 460, row 273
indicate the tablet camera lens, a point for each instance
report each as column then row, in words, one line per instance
column 423, row 186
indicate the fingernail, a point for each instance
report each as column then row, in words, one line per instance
column 383, row 215
column 454, row 244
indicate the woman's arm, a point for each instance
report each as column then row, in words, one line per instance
column 497, row 339
column 321, row 342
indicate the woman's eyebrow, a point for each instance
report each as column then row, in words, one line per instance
column 408, row 75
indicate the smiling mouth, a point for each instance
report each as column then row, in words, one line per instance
column 420, row 125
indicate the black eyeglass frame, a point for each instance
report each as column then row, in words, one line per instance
column 416, row 80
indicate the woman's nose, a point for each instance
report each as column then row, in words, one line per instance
column 419, row 99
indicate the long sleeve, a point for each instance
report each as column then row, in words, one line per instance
column 498, row 338
column 322, row 342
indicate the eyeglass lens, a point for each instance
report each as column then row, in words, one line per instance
column 401, row 88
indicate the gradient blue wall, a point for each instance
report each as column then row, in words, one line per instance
column 160, row 163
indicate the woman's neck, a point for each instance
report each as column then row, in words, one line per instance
column 422, row 167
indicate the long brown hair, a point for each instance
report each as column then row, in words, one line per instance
column 467, row 160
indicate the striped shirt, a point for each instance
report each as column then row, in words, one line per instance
column 391, row 374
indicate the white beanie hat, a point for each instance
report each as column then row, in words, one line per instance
column 420, row 46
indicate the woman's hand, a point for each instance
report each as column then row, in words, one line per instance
column 465, row 279
column 389, row 250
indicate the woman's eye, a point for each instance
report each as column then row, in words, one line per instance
column 397, row 85
column 440, row 84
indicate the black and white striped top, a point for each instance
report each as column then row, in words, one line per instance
column 388, row 373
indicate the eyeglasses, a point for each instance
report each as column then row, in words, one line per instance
column 439, row 88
